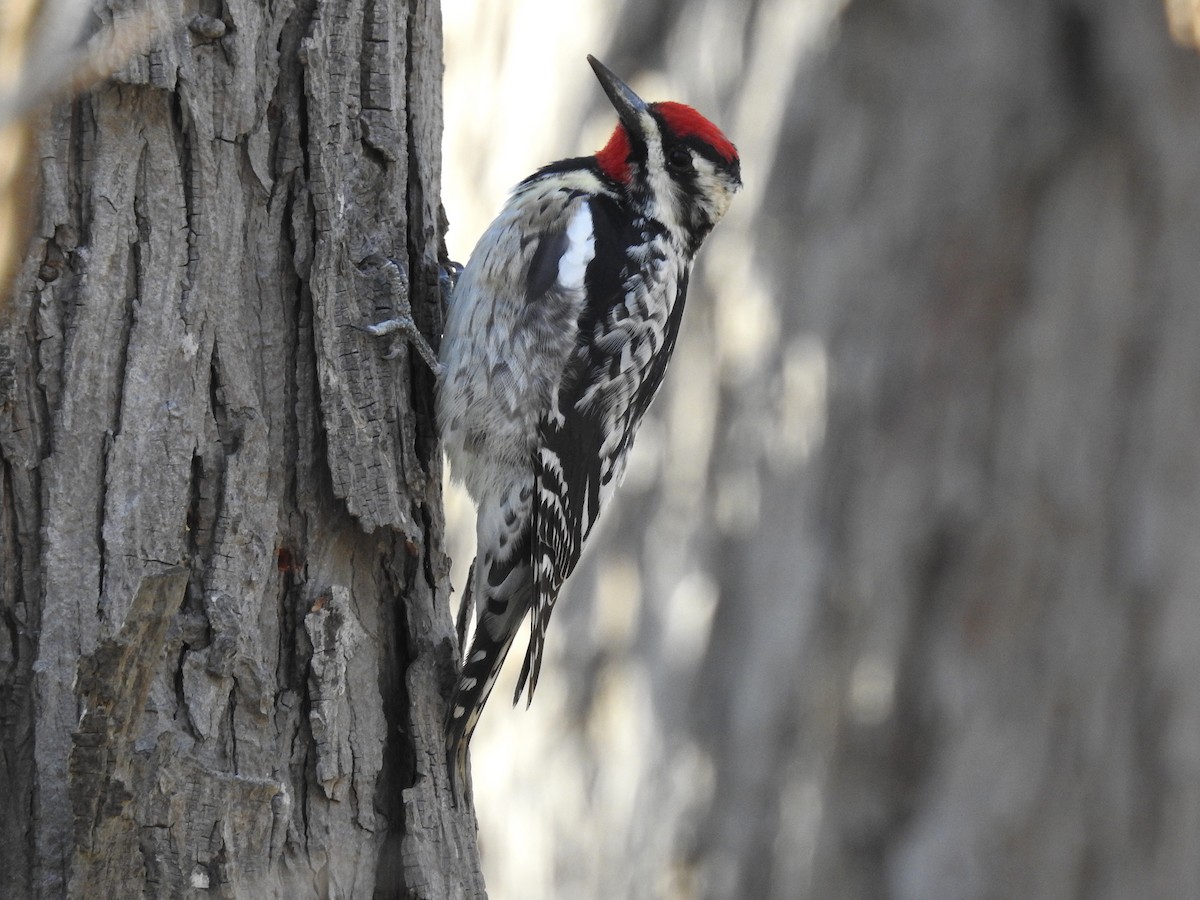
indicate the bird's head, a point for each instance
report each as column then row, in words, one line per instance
column 670, row 160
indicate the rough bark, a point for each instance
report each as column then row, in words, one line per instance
column 222, row 573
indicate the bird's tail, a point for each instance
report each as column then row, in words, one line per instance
column 502, row 607
column 478, row 677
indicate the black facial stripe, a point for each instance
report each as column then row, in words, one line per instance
column 693, row 142
column 708, row 152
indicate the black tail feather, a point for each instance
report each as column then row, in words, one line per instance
column 474, row 685
column 532, row 666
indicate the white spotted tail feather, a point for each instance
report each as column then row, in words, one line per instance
column 558, row 336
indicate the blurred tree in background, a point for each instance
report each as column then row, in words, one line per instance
column 902, row 598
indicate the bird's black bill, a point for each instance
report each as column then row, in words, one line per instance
column 628, row 105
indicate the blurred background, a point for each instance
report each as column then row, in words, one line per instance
column 902, row 595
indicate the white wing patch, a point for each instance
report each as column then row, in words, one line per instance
column 581, row 250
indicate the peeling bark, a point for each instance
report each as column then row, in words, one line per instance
column 223, row 581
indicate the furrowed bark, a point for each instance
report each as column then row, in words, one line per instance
column 222, row 571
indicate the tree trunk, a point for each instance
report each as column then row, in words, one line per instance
column 222, row 571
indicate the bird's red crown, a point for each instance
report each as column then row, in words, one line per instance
column 682, row 121
column 685, row 122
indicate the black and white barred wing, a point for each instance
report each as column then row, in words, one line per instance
column 625, row 339
column 567, row 502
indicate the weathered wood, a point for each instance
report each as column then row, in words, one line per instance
column 222, row 571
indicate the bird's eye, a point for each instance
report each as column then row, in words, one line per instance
column 679, row 160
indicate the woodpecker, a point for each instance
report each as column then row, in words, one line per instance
column 559, row 331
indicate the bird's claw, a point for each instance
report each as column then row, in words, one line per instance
column 401, row 325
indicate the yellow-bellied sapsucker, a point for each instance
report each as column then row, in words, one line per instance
column 559, row 331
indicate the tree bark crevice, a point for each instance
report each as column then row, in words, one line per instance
column 223, row 582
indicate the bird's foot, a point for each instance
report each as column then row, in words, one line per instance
column 400, row 327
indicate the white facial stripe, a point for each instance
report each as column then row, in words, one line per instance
column 654, row 148
column 713, row 186
column 666, row 210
